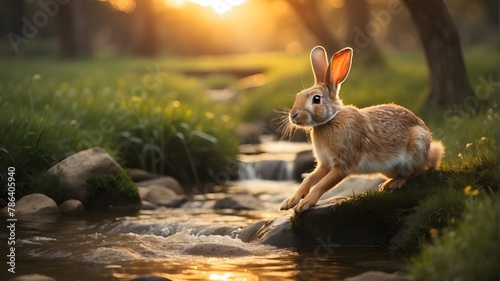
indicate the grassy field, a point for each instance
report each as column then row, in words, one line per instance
column 155, row 113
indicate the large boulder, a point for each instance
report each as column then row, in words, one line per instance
column 317, row 225
column 36, row 204
column 77, row 169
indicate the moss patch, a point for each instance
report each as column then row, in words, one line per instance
column 112, row 191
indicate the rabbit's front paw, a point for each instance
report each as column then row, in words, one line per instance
column 306, row 203
column 290, row 202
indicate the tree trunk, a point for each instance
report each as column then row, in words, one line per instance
column 146, row 41
column 448, row 79
column 357, row 18
column 72, row 31
column 13, row 11
column 309, row 14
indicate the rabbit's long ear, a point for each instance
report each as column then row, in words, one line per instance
column 339, row 67
column 319, row 64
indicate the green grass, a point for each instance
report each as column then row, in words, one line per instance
column 149, row 114
column 469, row 250
column 144, row 115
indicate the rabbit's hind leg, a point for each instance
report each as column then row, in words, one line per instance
column 413, row 161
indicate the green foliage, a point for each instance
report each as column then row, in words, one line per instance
column 50, row 185
column 468, row 251
column 431, row 215
column 140, row 111
column 111, row 190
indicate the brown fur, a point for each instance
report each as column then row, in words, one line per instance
column 385, row 138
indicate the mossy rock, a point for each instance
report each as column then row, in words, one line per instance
column 112, row 191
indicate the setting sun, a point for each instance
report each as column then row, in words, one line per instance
column 219, row 6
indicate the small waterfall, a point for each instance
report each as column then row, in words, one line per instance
column 277, row 161
column 277, row 170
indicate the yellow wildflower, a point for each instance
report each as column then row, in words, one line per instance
column 471, row 192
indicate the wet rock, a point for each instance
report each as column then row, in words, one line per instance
column 304, row 163
column 239, row 202
column 32, row 277
column 76, row 169
column 160, row 195
column 167, row 182
column 146, row 205
column 276, row 232
column 379, row 276
column 138, row 175
column 35, row 204
column 249, row 233
column 216, row 250
column 315, row 227
column 143, row 192
column 71, row 207
column 150, row 278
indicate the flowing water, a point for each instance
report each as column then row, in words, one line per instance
column 195, row 242
column 178, row 244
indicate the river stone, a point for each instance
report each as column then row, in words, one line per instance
column 216, row 250
column 168, row 182
column 76, row 169
column 71, row 207
column 379, row 276
column 32, row 277
column 138, row 175
column 239, row 202
column 160, row 195
column 146, row 205
column 36, row 204
column 143, row 192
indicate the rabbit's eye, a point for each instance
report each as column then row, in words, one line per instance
column 316, row 99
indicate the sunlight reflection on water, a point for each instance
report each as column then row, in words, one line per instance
column 107, row 248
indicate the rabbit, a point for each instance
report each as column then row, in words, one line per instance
column 386, row 138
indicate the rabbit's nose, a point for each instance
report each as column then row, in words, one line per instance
column 293, row 117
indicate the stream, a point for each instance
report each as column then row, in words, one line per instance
column 164, row 242
column 194, row 242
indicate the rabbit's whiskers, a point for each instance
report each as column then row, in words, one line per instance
column 285, row 127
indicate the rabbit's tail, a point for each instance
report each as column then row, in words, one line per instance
column 435, row 154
